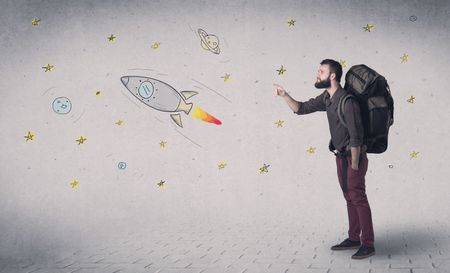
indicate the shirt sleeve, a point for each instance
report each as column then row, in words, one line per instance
column 352, row 116
column 312, row 105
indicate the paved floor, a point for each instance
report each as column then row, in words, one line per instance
column 251, row 247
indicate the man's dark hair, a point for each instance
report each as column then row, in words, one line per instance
column 335, row 68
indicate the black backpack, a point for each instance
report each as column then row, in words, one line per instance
column 372, row 92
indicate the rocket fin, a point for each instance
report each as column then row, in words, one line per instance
column 188, row 94
column 177, row 119
column 185, row 107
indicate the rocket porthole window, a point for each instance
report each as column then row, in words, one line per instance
column 146, row 89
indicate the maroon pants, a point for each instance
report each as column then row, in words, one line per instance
column 358, row 209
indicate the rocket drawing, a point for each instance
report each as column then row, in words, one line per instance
column 159, row 95
column 163, row 97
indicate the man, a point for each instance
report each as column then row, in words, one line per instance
column 351, row 157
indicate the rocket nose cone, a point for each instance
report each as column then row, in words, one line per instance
column 125, row 80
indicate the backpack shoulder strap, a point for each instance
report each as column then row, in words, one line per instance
column 340, row 110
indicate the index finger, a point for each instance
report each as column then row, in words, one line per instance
column 278, row 86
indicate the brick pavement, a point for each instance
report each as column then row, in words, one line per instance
column 243, row 248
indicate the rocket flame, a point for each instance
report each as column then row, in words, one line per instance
column 202, row 115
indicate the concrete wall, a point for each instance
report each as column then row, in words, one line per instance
column 39, row 210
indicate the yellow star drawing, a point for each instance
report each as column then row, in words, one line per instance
column 291, row 23
column 111, row 38
column 311, row 150
column 279, row 123
column 222, row 165
column 155, row 45
column 98, row 92
column 411, row 99
column 29, row 136
column 48, row 68
column 226, row 78
column 74, row 184
column 81, row 140
column 35, row 21
column 368, row 27
column 264, row 168
column 343, row 63
column 413, row 154
column 281, row 70
column 161, row 184
column 404, row 58
column 119, row 122
column 163, row 144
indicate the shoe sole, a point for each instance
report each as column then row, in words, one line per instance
column 363, row 257
column 345, row 248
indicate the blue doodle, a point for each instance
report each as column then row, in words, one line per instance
column 61, row 105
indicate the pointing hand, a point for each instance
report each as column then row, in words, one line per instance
column 280, row 90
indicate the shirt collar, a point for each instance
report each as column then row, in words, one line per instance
column 339, row 92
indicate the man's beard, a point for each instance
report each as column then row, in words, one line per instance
column 323, row 84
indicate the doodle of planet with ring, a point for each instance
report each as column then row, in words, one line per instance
column 209, row 41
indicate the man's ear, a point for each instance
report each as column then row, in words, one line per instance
column 332, row 76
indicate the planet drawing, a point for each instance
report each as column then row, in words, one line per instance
column 209, row 41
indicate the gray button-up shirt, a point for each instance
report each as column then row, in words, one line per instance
column 341, row 137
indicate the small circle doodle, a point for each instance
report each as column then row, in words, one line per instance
column 412, row 18
column 122, row 165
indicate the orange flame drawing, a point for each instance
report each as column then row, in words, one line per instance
column 199, row 113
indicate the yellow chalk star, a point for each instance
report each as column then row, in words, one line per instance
column 161, row 184
column 163, row 144
column 413, row 154
column 111, row 38
column 411, row 99
column 368, row 28
column 29, row 136
column 226, row 78
column 264, row 168
column 343, row 63
column 281, row 70
column 279, row 123
column 48, row 68
column 291, row 23
column 119, row 122
column 81, row 140
column 74, row 184
column 404, row 58
column 222, row 165
column 311, row 150
column 35, row 21
column 155, row 45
